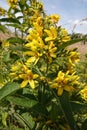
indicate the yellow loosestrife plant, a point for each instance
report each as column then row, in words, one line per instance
column 39, row 86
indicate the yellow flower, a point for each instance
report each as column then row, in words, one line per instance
column 2, row 11
column 33, row 2
column 39, row 21
column 83, row 93
column 6, row 44
column 13, row 3
column 66, row 38
column 40, row 6
column 55, row 18
column 16, row 67
column 64, row 32
column 32, row 45
column 35, row 13
column 50, row 51
column 28, row 77
column 39, row 29
column 52, row 34
column 32, row 35
column 35, row 50
column 13, row 76
column 33, row 57
column 61, row 83
column 74, row 56
column 64, row 81
column 35, row 44
column 64, row 35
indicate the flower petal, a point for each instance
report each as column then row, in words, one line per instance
column 24, row 83
column 32, row 84
column 60, row 91
column 68, row 88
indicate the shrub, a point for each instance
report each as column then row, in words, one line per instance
column 40, row 88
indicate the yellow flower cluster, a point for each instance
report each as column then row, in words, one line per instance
column 55, row 18
column 21, row 71
column 2, row 12
column 43, row 37
column 51, row 34
column 42, row 45
column 74, row 58
column 13, row 3
column 64, row 35
column 64, row 81
column 34, row 13
column 5, row 44
column 37, row 4
column 38, row 47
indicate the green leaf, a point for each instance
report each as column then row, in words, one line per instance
column 18, row 48
column 22, row 4
column 55, row 111
column 13, row 127
column 77, row 106
column 39, row 109
column 67, row 110
column 16, row 25
column 74, row 41
column 8, row 89
column 28, row 118
column 2, row 28
column 1, row 78
column 19, row 17
column 22, row 120
column 10, row 20
column 4, row 117
column 22, row 101
column 15, row 40
column 6, row 56
column 84, row 125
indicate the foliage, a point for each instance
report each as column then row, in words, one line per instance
column 82, row 70
column 39, row 86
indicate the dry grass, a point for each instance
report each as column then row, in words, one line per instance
column 4, row 36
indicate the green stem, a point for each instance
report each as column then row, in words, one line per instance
column 64, row 102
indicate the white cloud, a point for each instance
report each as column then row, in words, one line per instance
column 76, row 26
column 76, row 22
column 80, row 26
column 83, row 23
column 53, row 7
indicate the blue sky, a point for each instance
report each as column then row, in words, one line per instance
column 71, row 11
